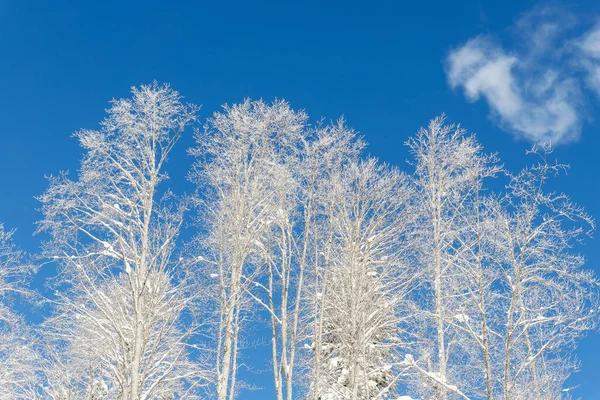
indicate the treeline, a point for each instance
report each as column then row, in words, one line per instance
column 372, row 283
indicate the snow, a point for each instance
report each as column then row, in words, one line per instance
column 462, row 318
column 334, row 362
column 436, row 376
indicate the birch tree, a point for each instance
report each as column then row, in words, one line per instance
column 330, row 149
column 287, row 247
column 243, row 185
column 281, row 250
column 122, row 292
column 548, row 300
column 509, row 298
column 474, row 307
column 367, row 281
column 449, row 167
column 18, row 356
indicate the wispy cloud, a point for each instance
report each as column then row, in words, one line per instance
column 589, row 46
column 537, row 89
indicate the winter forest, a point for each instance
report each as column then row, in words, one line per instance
column 445, row 278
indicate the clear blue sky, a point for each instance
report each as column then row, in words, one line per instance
column 384, row 65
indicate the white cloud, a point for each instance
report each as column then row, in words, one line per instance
column 590, row 42
column 535, row 90
column 589, row 46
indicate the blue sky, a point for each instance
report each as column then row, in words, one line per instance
column 510, row 71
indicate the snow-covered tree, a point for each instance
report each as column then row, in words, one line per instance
column 508, row 298
column 366, row 282
column 448, row 169
column 547, row 300
column 475, row 303
column 122, row 295
column 18, row 357
column 332, row 148
column 292, row 242
column 278, row 283
column 243, row 185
